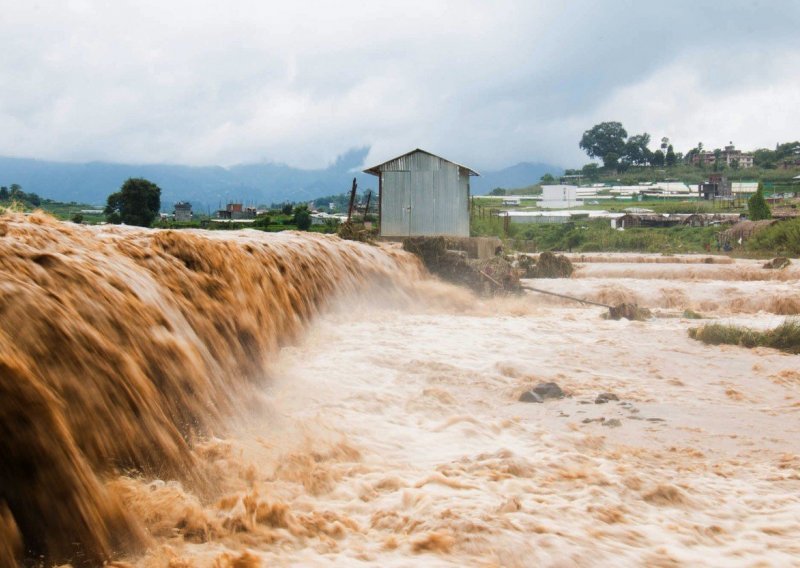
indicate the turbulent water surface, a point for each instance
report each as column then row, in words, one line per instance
column 239, row 399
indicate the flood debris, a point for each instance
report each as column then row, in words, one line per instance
column 605, row 397
column 628, row 311
column 777, row 263
column 354, row 231
column 488, row 276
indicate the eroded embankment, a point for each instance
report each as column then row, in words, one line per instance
column 120, row 348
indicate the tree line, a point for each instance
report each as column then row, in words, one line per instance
column 14, row 193
column 610, row 143
column 138, row 202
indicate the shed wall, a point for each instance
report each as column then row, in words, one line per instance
column 424, row 195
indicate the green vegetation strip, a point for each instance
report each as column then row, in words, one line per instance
column 785, row 337
column 598, row 235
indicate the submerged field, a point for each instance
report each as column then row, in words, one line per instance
column 395, row 437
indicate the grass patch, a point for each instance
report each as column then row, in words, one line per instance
column 598, row 236
column 785, row 337
column 779, row 239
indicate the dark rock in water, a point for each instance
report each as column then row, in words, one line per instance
column 605, row 397
column 530, row 396
column 548, row 390
column 590, row 420
column 613, row 423
column 541, row 392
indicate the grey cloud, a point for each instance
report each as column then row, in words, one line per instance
column 491, row 83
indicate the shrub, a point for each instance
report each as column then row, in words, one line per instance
column 262, row 221
column 785, row 337
column 781, row 238
column 302, row 217
column 757, row 208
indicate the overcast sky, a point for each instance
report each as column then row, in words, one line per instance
column 488, row 84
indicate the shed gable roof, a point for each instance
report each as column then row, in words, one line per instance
column 376, row 170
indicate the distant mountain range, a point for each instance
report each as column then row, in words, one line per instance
column 210, row 186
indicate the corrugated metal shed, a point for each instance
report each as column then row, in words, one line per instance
column 422, row 194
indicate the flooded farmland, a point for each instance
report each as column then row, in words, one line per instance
column 297, row 400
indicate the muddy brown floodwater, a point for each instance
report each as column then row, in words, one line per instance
column 370, row 415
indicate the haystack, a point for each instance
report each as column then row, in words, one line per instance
column 743, row 230
column 778, row 263
column 548, row 265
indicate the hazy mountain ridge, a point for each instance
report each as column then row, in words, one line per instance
column 208, row 186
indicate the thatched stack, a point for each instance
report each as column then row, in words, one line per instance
column 548, row 265
column 778, row 263
column 743, row 230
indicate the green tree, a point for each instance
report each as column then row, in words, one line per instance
column 604, row 139
column 4, row 193
column 498, row 191
column 136, row 203
column 658, row 158
column 757, row 208
column 15, row 191
column 611, row 160
column 547, row 178
column 262, row 221
column 636, row 150
column 591, row 171
column 718, row 160
column 764, row 158
column 286, row 209
column 302, row 217
column 77, row 218
column 670, row 159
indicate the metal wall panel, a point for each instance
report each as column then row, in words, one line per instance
column 396, row 203
column 423, row 203
column 424, row 195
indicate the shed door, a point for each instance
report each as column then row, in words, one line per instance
column 423, row 203
column 396, row 204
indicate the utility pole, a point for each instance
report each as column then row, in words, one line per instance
column 366, row 209
column 352, row 200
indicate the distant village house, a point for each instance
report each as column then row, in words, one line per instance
column 236, row 211
column 717, row 187
column 730, row 156
column 183, row 211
